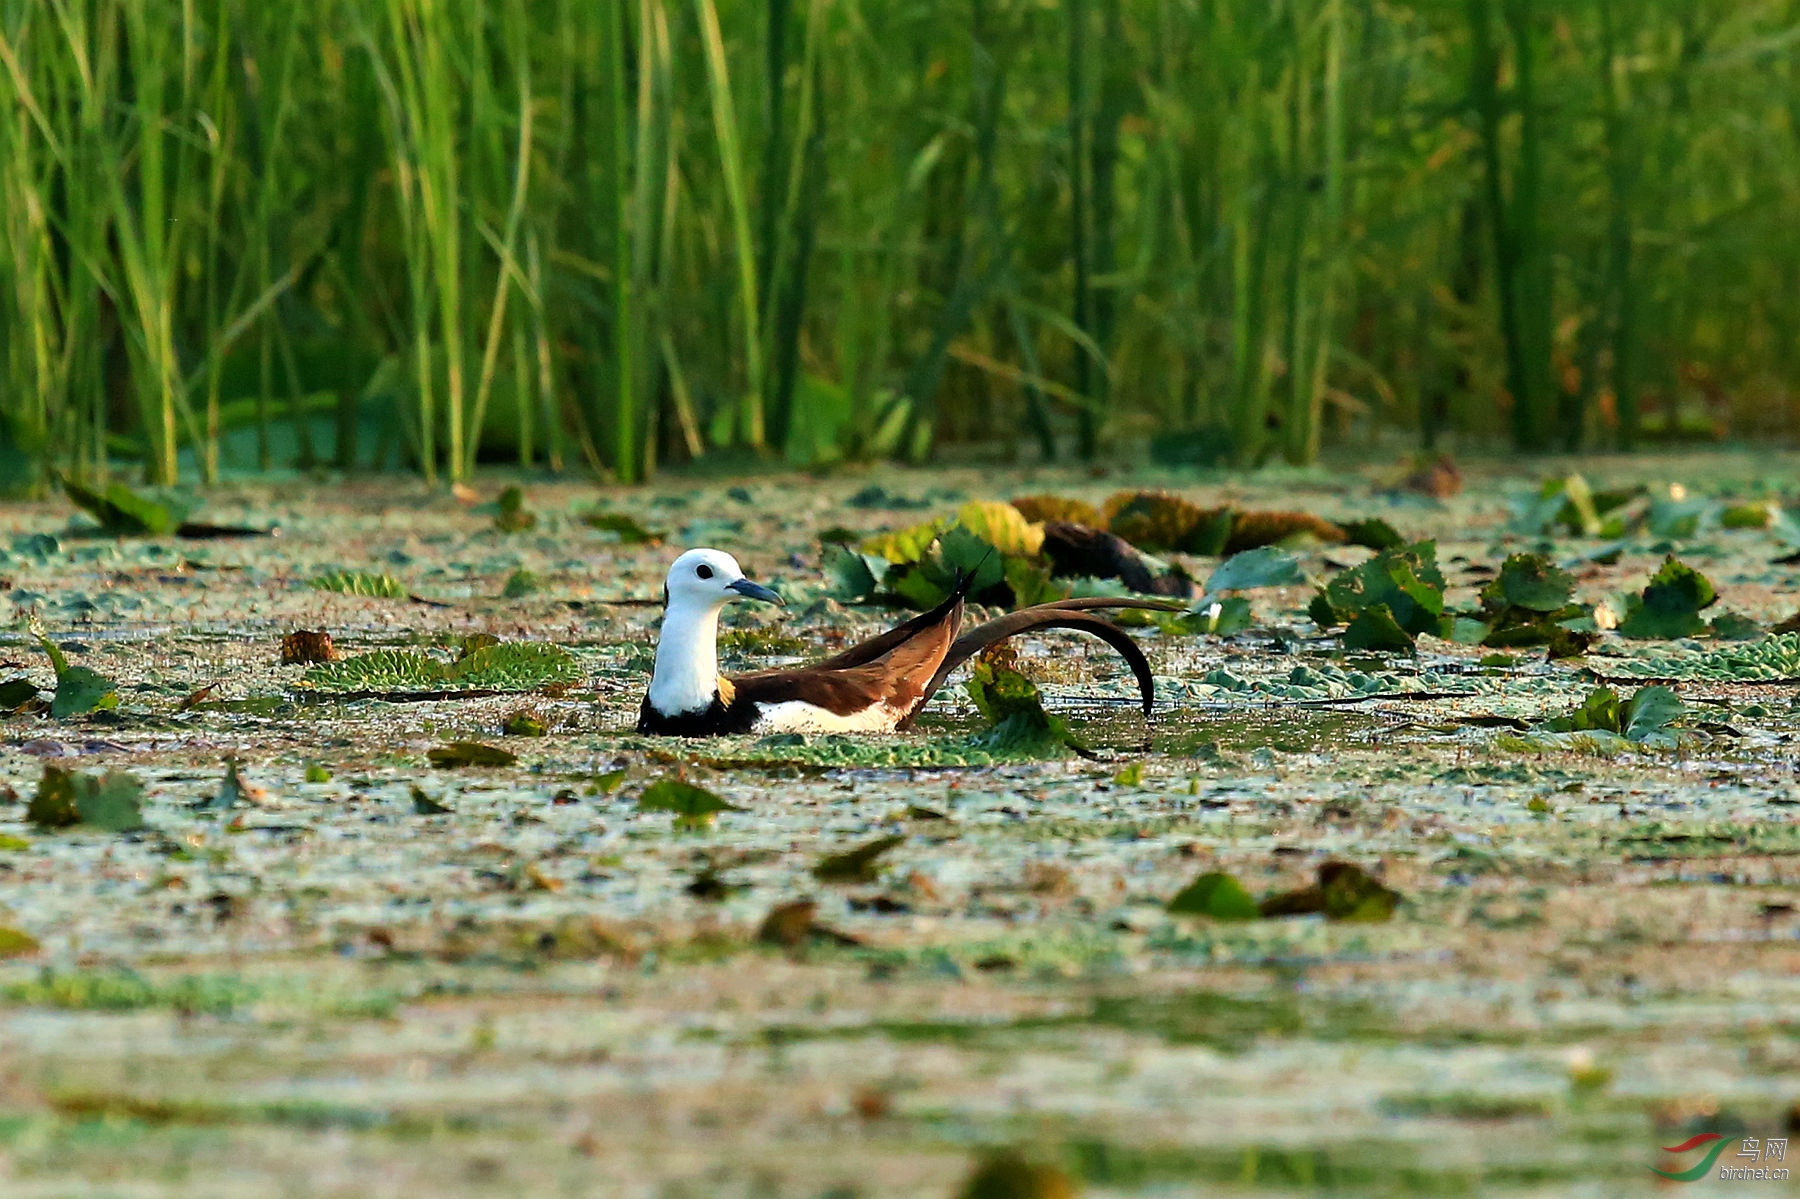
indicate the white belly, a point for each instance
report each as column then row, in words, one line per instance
column 794, row 716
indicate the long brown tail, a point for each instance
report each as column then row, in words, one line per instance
column 1074, row 614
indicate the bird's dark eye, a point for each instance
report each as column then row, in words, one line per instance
column 704, row 572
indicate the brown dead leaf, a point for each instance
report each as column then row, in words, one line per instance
column 196, row 698
column 303, row 647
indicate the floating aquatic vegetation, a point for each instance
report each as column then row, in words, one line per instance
column 856, row 865
column 1528, row 604
column 111, row 802
column 79, row 689
column 1056, row 509
column 306, row 647
column 521, row 583
column 469, row 753
column 1386, row 601
column 1014, row 709
column 1670, row 604
column 510, row 666
column 122, row 512
column 510, row 514
column 694, row 808
column 623, row 527
column 360, row 582
column 1344, row 892
column 1217, row 895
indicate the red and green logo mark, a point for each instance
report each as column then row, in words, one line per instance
column 1700, row 1171
column 1752, row 1150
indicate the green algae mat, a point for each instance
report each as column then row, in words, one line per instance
column 330, row 865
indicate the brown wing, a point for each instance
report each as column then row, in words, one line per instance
column 949, row 612
column 898, row 673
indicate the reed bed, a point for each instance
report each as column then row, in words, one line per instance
column 567, row 234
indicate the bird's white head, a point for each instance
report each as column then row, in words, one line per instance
column 700, row 583
column 702, row 579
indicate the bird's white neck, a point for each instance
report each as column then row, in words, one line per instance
column 687, row 659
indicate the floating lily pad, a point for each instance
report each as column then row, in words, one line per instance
column 122, row 512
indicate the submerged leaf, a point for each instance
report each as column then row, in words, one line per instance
column 470, row 753
column 1217, row 895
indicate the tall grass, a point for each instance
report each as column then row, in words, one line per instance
column 238, row 235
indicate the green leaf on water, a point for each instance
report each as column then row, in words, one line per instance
column 360, row 582
column 16, row 693
column 855, row 577
column 124, row 513
column 512, row 516
column 1529, row 581
column 607, row 782
column 693, row 807
column 112, row 802
column 424, row 805
column 79, row 689
column 1670, row 604
column 1405, row 580
column 627, row 530
column 1014, row 709
column 1375, row 628
column 316, row 773
column 856, row 865
column 1343, row 892
column 1267, row 566
column 469, row 753
column 1374, row 533
column 521, row 583
column 16, row 944
column 1217, row 895
column 524, row 723
column 1732, row 626
column 1650, row 711
column 1219, row 617
column 1600, row 711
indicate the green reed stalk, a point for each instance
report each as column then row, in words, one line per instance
column 731, row 171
